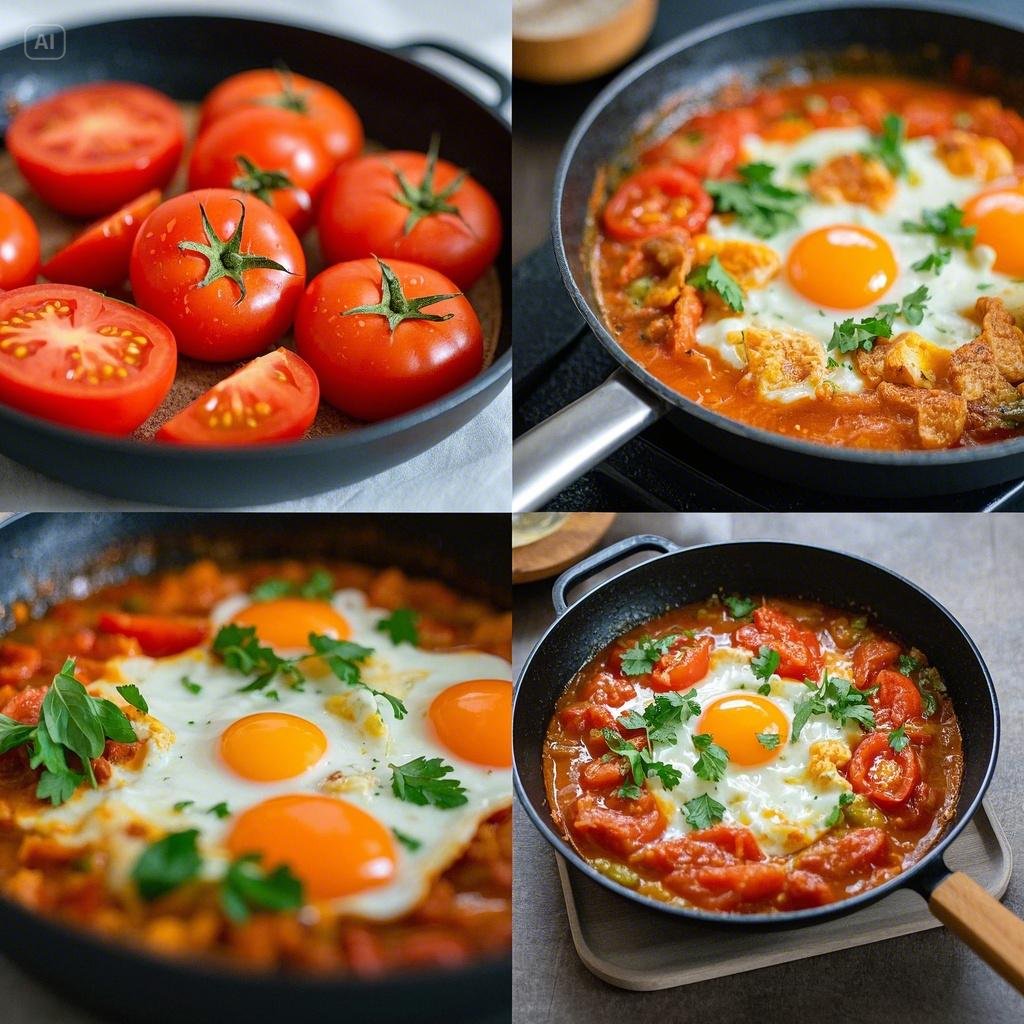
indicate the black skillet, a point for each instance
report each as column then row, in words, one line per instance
column 399, row 102
column 794, row 570
column 768, row 44
column 40, row 558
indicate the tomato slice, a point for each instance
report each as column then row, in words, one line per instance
column 708, row 145
column 885, row 776
column 90, row 149
column 686, row 663
column 158, row 636
column 78, row 358
column 273, row 398
column 870, row 657
column 798, row 648
column 654, row 200
column 99, row 256
column 897, row 700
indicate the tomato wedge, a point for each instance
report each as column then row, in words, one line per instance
column 19, row 244
column 158, row 636
column 273, row 398
column 897, row 700
column 885, row 776
column 99, row 256
column 654, row 200
column 78, row 358
column 683, row 665
column 93, row 148
column 870, row 657
column 798, row 648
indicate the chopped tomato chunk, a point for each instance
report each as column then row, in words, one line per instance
column 798, row 648
column 620, row 826
column 683, row 665
column 158, row 637
column 851, row 853
column 870, row 657
column 885, row 776
column 897, row 700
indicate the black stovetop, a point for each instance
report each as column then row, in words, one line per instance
column 557, row 360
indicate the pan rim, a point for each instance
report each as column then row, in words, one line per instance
column 931, row 861
column 915, row 458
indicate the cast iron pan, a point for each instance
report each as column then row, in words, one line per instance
column 40, row 555
column 761, row 45
column 398, row 100
column 767, row 567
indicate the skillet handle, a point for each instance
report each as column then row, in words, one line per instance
column 562, row 448
column 601, row 560
column 499, row 79
column 993, row 932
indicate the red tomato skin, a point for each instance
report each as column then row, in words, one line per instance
column 870, row 749
column 684, row 666
column 210, row 323
column 99, row 256
column 106, row 411
column 19, row 245
column 275, row 140
column 158, row 636
column 359, row 217
column 368, row 373
column 798, row 647
column 672, row 181
column 89, row 191
column 870, row 657
column 897, row 700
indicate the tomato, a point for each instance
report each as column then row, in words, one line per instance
column 78, row 358
column 654, row 200
column 840, row 855
column 19, row 245
column 410, row 206
column 603, row 775
column 605, row 688
column 581, row 718
column 277, row 155
column 618, row 825
column 92, row 148
column 927, row 115
column 24, row 707
column 806, row 889
column 273, row 398
column 158, row 636
column 328, row 111
column 885, row 776
column 798, row 648
column 18, row 662
column 708, row 145
column 222, row 269
column 897, row 700
column 99, row 256
column 683, row 665
column 384, row 338
column 870, row 657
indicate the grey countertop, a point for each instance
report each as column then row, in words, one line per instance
column 974, row 565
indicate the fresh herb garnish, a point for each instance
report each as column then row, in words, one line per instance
column 765, row 663
column 411, row 844
column 703, row 811
column 319, row 587
column 343, row 658
column 132, row 695
column 851, row 335
column 641, row 658
column 713, row 277
column 761, row 206
column 768, row 740
column 712, row 759
column 946, row 224
column 247, row 885
column 898, row 739
column 641, row 765
column 190, row 685
column 240, row 650
column 422, row 781
column 906, row 664
column 934, row 261
column 888, row 147
column 739, row 607
column 221, row 810
column 804, row 167
column 836, row 697
column 845, row 799
column 662, row 715
column 167, row 864
column 182, row 805
column 400, row 625
column 765, row 689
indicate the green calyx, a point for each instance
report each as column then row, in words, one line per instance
column 287, row 98
column 226, row 259
column 421, row 200
column 258, row 182
column 396, row 307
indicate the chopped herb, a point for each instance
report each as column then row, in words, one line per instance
column 641, row 765
column 662, row 715
column 182, row 805
column 343, row 658
column 319, row 587
column 167, row 864
column 240, row 650
column 765, row 689
column 888, row 147
column 191, row 686
column 246, row 884
column 641, row 658
column 411, row 844
column 739, row 607
column 761, row 206
column 804, row 167
column 765, row 663
column 906, row 664
column 845, row 799
column 712, row 759
column 934, row 261
column 984, row 286
column 221, row 810
column 703, row 811
column 836, row 697
column 898, row 739
column 421, row 781
column 946, row 224
column 850, row 335
column 400, row 625
column 912, row 305
column 713, row 277
column 271, row 695
column 768, row 740
column 130, row 692
column 270, row 590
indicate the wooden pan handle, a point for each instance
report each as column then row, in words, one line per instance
column 993, row 932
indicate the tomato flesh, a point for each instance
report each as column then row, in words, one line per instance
column 656, row 200
column 885, row 776
column 870, row 657
column 19, row 244
column 158, row 637
column 798, row 648
column 897, row 700
column 684, row 665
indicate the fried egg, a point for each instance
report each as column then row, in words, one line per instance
column 302, row 775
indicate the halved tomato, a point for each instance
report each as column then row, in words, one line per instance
column 75, row 357
column 19, row 244
column 273, row 398
column 90, row 149
column 654, row 200
column 158, row 636
column 99, row 256
column 685, row 664
column 885, row 776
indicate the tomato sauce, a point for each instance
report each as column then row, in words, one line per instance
column 897, row 807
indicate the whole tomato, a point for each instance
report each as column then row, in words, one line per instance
column 19, row 244
column 384, row 338
column 222, row 269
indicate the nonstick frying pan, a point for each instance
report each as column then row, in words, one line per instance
column 399, row 101
column 40, row 557
column 761, row 46
column 767, row 567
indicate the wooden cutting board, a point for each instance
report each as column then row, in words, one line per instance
column 550, row 555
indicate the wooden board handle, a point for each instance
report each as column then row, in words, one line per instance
column 993, row 932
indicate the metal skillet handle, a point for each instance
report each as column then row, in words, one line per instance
column 601, row 560
column 562, row 448
column 500, row 80
column 979, row 919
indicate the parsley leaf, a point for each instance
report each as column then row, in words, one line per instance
column 845, row 799
column 713, row 277
column 644, row 654
column 167, row 864
column 768, row 740
column 804, row 167
column 836, row 697
column 912, row 305
column 270, row 590
column 739, row 607
column 761, row 206
column 946, row 224
column 711, row 760
column 13, row 734
column 850, row 335
column 421, row 781
column 182, row 805
column 191, row 686
column 888, row 147
column 132, row 695
column 411, row 844
column 703, row 811
column 765, row 663
column 662, row 715
column 240, row 650
column 641, row 765
column 247, row 884
column 319, row 587
column 934, row 261
column 765, row 689
column 400, row 625
column 221, row 810
column 343, row 658
column 906, row 664
column 898, row 739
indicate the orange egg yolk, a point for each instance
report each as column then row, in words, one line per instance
column 734, row 722
column 843, row 266
column 333, row 847
column 474, row 721
column 998, row 216
column 271, row 746
column 289, row 621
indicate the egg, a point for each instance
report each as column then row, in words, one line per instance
column 302, row 774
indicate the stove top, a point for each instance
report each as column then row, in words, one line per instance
column 557, row 360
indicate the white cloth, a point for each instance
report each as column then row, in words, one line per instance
column 471, row 469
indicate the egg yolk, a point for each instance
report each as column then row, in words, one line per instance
column 271, row 746
column 333, row 847
column 474, row 721
column 734, row 722
column 998, row 216
column 844, row 266
column 289, row 621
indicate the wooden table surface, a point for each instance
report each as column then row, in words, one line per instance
column 974, row 565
